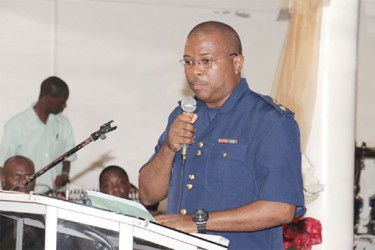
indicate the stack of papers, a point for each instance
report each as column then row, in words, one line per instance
column 119, row 205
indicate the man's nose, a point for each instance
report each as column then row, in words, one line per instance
column 115, row 189
column 197, row 68
column 22, row 179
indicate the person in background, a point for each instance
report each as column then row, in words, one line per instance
column 16, row 170
column 242, row 177
column 114, row 180
column 42, row 134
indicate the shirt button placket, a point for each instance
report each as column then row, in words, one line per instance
column 200, row 146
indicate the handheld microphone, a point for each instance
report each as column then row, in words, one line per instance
column 188, row 105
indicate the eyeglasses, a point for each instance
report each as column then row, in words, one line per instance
column 203, row 62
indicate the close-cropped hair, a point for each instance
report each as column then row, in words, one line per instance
column 113, row 168
column 214, row 26
column 29, row 162
column 52, row 86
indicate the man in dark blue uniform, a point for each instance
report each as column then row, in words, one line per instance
column 243, row 166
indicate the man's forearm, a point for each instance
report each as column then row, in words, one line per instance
column 252, row 217
column 154, row 177
column 66, row 167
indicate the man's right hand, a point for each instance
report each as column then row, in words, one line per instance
column 181, row 132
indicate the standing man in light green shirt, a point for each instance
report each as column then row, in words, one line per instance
column 42, row 134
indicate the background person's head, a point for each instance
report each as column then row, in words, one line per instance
column 16, row 170
column 114, row 180
column 54, row 93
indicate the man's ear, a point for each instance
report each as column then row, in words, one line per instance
column 238, row 63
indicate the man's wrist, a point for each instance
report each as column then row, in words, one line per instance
column 171, row 148
column 200, row 217
column 65, row 173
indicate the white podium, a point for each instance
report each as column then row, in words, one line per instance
column 52, row 223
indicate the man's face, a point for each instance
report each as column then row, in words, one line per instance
column 15, row 173
column 57, row 104
column 115, row 184
column 212, row 83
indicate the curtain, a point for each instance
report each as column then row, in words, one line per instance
column 296, row 76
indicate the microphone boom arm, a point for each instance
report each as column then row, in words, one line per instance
column 104, row 129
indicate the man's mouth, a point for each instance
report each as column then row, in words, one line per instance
column 197, row 84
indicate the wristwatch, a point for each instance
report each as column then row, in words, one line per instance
column 200, row 217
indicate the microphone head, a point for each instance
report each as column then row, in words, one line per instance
column 188, row 104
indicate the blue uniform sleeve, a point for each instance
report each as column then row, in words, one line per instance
column 278, row 163
column 163, row 137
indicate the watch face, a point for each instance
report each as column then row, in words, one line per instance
column 200, row 215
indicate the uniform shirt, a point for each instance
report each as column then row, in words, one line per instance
column 25, row 134
column 244, row 151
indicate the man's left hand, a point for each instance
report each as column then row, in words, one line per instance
column 177, row 221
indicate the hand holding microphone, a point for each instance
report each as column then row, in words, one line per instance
column 188, row 105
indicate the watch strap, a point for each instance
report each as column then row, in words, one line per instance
column 201, row 226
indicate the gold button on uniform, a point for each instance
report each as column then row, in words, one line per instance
column 199, row 152
column 200, row 144
column 183, row 211
column 225, row 154
column 191, row 176
column 189, row 186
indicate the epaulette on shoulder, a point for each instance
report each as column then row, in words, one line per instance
column 282, row 109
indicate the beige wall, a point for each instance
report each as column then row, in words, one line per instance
column 365, row 121
column 121, row 63
column 120, row 60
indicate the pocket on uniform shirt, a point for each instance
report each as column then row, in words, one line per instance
column 229, row 152
column 226, row 172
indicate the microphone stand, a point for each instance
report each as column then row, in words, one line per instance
column 105, row 128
